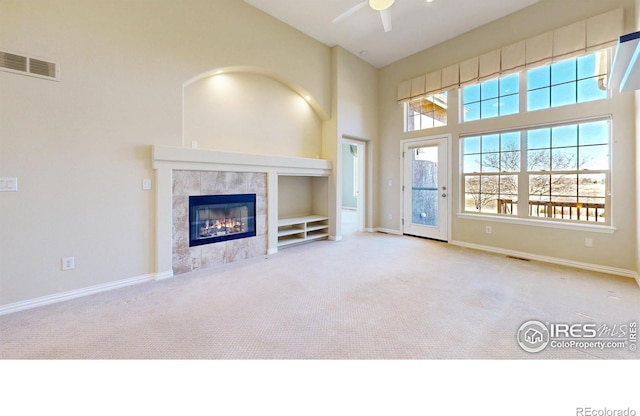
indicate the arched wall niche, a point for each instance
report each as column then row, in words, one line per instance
column 249, row 110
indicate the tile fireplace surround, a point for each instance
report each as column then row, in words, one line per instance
column 183, row 172
column 197, row 183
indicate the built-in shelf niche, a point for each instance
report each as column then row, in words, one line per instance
column 302, row 209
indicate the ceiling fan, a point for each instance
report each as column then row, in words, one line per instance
column 380, row 5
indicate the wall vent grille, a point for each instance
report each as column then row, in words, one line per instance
column 26, row 65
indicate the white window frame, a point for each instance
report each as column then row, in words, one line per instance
column 523, row 217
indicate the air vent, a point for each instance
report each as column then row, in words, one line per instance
column 13, row 62
column 26, row 65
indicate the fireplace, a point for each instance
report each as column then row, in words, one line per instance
column 215, row 218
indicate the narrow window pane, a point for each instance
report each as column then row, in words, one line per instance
column 594, row 157
column 510, row 141
column 592, row 209
column 564, row 158
column 539, row 187
column 510, row 161
column 471, row 112
column 509, row 84
column 426, row 121
column 538, row 99
column 411, row 124
column 489, row 89
column 490, row 162
column 538, row 78
column 471, row 94
column 589, row 90
column 490, row 205
column 596, row 132
column 489, row 194
column 508, row 202
column 539, row 160
column 471, row 145
column 490, row 143
column 565, row 136
column 592, row 187
column 564, row 71
column 472, row 193
column 471, row 164
column 509, row 185
column 509, row 105
column 489, row 108
column 539, row 195
column 539, row 138
column 564, row 186
column 563, row 94
column 589, row 66
column 471, row 202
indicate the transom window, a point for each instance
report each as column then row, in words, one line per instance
column 567, row 82
column 570, row 81
column 556, row 172
column 426, row 112
column 492, row 98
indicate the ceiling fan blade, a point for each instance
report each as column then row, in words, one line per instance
column 385, row 15
column 350, row 11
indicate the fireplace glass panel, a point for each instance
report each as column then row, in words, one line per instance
column 215, row 218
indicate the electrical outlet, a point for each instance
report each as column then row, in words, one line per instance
column 588, row 242
column 488, row 230
column 146, row 184
column 389, row 216
column 68, row 263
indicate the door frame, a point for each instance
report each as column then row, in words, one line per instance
column 427, row 140
column 361, row 179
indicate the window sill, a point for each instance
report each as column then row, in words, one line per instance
column 604, row 229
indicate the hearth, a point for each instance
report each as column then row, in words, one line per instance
column 215, row 218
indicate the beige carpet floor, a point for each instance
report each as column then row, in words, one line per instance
column 370, row 296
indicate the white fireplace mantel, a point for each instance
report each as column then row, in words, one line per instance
column 166, row 159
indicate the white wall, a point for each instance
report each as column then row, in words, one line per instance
column 617, row 250
column 80, row 147
column 244, row 112
column 354, row 115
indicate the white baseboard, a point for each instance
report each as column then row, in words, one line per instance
column 74, row 294
column 164, row 275
column 555, row 260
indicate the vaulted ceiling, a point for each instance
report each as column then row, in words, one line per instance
column 416, row 24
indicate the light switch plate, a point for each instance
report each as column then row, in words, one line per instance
column 8, row 184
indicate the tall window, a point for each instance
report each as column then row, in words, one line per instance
column 426, row 112
column 556, row 172
column 491, row 165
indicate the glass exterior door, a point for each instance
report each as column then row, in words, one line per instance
column 425, row 189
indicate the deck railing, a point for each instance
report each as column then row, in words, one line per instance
column 585, row 211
